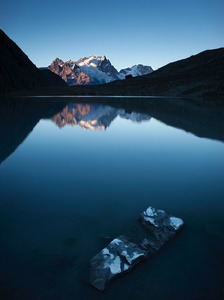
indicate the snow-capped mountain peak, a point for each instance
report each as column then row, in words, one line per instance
column 93, row 61
column 93, row 70
column 136, row 70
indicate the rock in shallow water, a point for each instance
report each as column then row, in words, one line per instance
column 160, row 225
column 118, row 257
column 122, row 253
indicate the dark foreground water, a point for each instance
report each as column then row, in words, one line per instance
column 65, row 192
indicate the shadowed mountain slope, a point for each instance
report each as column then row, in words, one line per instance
column 17, row 72
column 198, row 75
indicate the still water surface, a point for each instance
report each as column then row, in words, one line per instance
column 80, row 176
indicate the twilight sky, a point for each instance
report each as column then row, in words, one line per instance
column 127, row 32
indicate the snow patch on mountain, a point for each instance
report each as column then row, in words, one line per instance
column 97, row 76
column 136, row 70
column 93, row 61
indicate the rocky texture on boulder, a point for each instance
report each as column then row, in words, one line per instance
column 161, row 226
column 154, row 229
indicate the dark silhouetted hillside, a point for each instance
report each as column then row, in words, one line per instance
column 198, row 75
column 17, row 72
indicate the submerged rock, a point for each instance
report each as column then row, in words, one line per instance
column 118, row 257
column 125, row 251
column 161, row 226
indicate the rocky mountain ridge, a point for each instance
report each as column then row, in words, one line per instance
column 93, row 70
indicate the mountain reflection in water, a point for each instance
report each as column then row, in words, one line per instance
column 94, row 116
column 18, row 117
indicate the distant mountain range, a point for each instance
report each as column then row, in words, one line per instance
column 200, row 75
column 93, row 70
column 94, row 116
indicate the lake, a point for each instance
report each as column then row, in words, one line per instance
column 76, row 173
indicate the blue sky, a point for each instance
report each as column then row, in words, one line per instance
column 127, row 32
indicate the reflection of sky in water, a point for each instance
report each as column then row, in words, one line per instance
column 145, row 158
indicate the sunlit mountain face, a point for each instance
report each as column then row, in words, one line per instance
column 94, row 116
column 93, row 70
